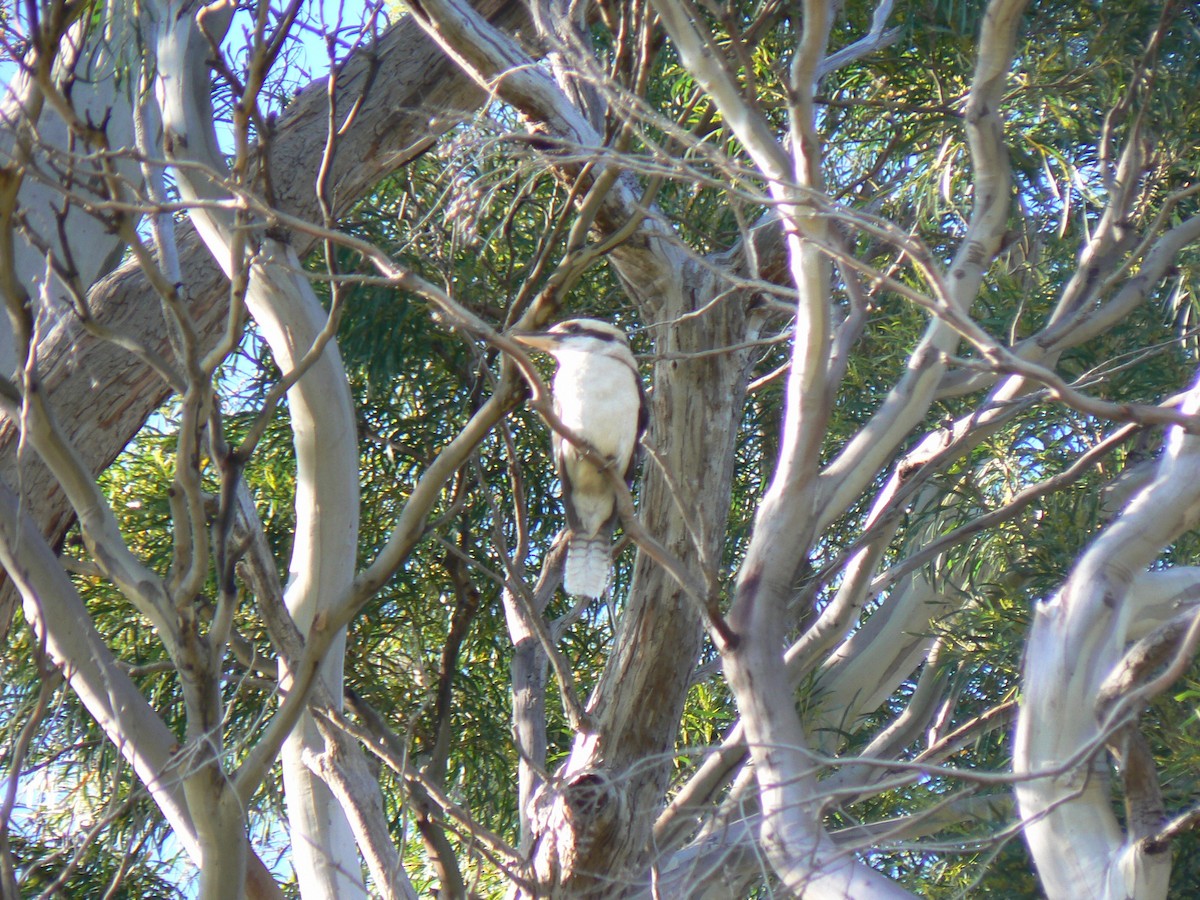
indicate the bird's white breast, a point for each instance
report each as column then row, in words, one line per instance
column 597, row 397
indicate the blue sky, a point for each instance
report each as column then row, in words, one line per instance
column 312, row 57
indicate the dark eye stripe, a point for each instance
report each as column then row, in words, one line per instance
column 600, row 335
column 575, row 328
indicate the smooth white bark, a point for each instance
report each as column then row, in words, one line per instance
column 877, row 442
column 796, row 845
column 1078, row 637
column 290, row 318
column 33, row 130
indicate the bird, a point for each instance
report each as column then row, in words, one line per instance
column 598, row 396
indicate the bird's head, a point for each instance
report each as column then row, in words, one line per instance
column 579, row 336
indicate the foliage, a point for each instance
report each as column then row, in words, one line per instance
column 481, row 214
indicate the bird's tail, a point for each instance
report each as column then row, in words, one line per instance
column 589, row 565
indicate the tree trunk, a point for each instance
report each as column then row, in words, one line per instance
column 410, row 94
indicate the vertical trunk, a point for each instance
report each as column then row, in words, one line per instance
column 594, row 827
column 1078, row 638
column 88, row 60
column 282, row 301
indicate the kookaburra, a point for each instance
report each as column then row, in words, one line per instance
column 598, row 396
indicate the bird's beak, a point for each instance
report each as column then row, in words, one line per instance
column 537, row 341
